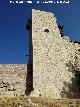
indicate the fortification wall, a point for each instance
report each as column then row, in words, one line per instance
column 77, row 56
column 13, row 79
column 56, row 64
column 53, row 58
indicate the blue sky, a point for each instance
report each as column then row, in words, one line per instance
column 14, row 40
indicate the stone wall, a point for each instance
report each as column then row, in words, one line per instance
column 13, row 79
column 55, row 70
column 53, row 58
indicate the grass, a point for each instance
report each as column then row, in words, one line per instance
column 25, row 101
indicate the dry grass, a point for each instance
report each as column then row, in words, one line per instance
column 24, row 101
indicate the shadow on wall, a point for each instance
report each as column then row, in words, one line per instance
column 29, row 78
column 73, row 91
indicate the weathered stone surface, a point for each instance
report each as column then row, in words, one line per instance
column 56, row 64
column 77, row 57
column 13, row 79
column 51, row 56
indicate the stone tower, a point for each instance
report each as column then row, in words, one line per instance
column 52, row 56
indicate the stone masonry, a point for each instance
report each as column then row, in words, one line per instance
column 13, row 79
column 54, row 58
column 55, row 67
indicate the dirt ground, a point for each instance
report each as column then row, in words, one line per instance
column 24, row 101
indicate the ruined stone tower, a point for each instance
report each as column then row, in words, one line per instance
column 53, row 58
column 53, row 69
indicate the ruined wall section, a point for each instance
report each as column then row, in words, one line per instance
column 77, row 56
column 55, row 61
column 13, row 79
column 51, row 55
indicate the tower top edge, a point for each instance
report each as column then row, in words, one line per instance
column 35, row 10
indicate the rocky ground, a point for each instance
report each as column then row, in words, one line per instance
column 24, row 101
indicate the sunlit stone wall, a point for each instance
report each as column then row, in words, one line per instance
column 13, row 79
column 51, row 56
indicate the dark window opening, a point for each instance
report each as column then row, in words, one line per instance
column 79, row 50
column 46, row 30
